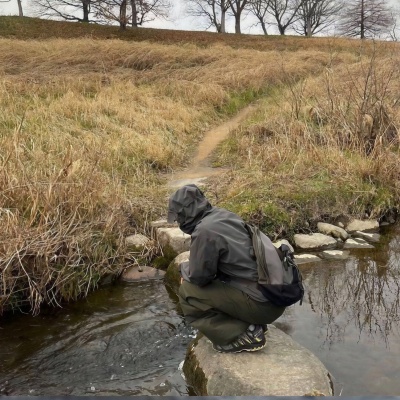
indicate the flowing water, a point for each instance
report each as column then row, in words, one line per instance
column 130, row 339
column 127, row 339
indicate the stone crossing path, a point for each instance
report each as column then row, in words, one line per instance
column 200, row 168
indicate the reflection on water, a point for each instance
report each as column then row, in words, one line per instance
column 123, row 340
column 350, row 318
column 129, row 339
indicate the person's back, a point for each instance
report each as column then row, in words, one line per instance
column 222, row 236
column 219, row 294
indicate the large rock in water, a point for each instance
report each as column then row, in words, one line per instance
column 173, row 238
column 332, row 230
column 173, row 276
column 315, row 241
column 282, row 368
column 145, row 273
column 362, row 226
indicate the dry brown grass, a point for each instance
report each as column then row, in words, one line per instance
column 309, row 155
column 88, row 129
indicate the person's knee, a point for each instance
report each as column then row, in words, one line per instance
column 182, row 291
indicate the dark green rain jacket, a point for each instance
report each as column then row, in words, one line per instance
column 220, row 244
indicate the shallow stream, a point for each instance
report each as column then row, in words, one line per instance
column 130, row 339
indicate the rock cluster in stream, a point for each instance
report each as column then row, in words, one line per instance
column 283, row 368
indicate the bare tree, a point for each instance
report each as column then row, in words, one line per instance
column 366, row 18
column 316, row 15
column 145, row 11
column 111, row 11
column 19, row 2
column 260, row 9
column 237, row 7
column 394, row 32
column 69, row 10
column 285, row 12
column 213, row 10
column 135, row 12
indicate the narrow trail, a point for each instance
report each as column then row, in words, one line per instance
column 200, row 168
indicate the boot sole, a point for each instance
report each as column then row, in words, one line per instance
column 249, row 349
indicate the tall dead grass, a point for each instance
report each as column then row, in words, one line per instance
column 326, row 146
column 87, row 131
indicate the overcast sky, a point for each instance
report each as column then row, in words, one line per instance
column 177, row 20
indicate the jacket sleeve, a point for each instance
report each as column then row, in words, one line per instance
column 203, row 260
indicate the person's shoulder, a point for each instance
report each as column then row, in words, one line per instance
column 216, row 216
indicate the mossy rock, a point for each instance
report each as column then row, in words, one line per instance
column 173, row 275
column 162, row 262
column 193, row 373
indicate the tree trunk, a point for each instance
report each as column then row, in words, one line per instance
column 362, row 22
column 281, row 29
column 20, row 11
column 308, row 27
column 264, row 27
column 134, row 14
column 122, row 15
column 85, row 7
column 237, row 23
column 223, row 18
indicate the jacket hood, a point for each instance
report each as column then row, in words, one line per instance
column 187, row 206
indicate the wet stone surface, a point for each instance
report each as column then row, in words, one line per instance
column 357, row 243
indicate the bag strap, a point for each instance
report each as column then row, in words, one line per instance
column 258, row 248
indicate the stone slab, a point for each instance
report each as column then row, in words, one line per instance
column 173, row 275
column 283, row 241
column 306, row 258
column 369, row 237
column 282, row 368
column 357, row 243
column 133, row 274
column 335, row 254
column 362, row 225
column 162, row 223
column 173, row 237
column 332, row 230
column 314, row 241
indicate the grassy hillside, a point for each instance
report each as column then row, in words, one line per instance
column 26, row 28
column 90, row 125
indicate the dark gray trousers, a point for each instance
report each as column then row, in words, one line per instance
column 222, row 312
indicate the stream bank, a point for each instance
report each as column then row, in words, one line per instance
column 349, row 320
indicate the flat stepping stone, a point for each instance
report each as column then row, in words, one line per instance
column 362, row 225
column 335, row 254
column 315, row 241
column 357, row 243
column 174, row 238
column 283, row 241
column 332, row 230
column 162, row 223
column 282, row 368
column 306, row 258
column 173, row 276
column 133, row 274
column 369, row 237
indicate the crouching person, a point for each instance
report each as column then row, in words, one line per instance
column 219, row 293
